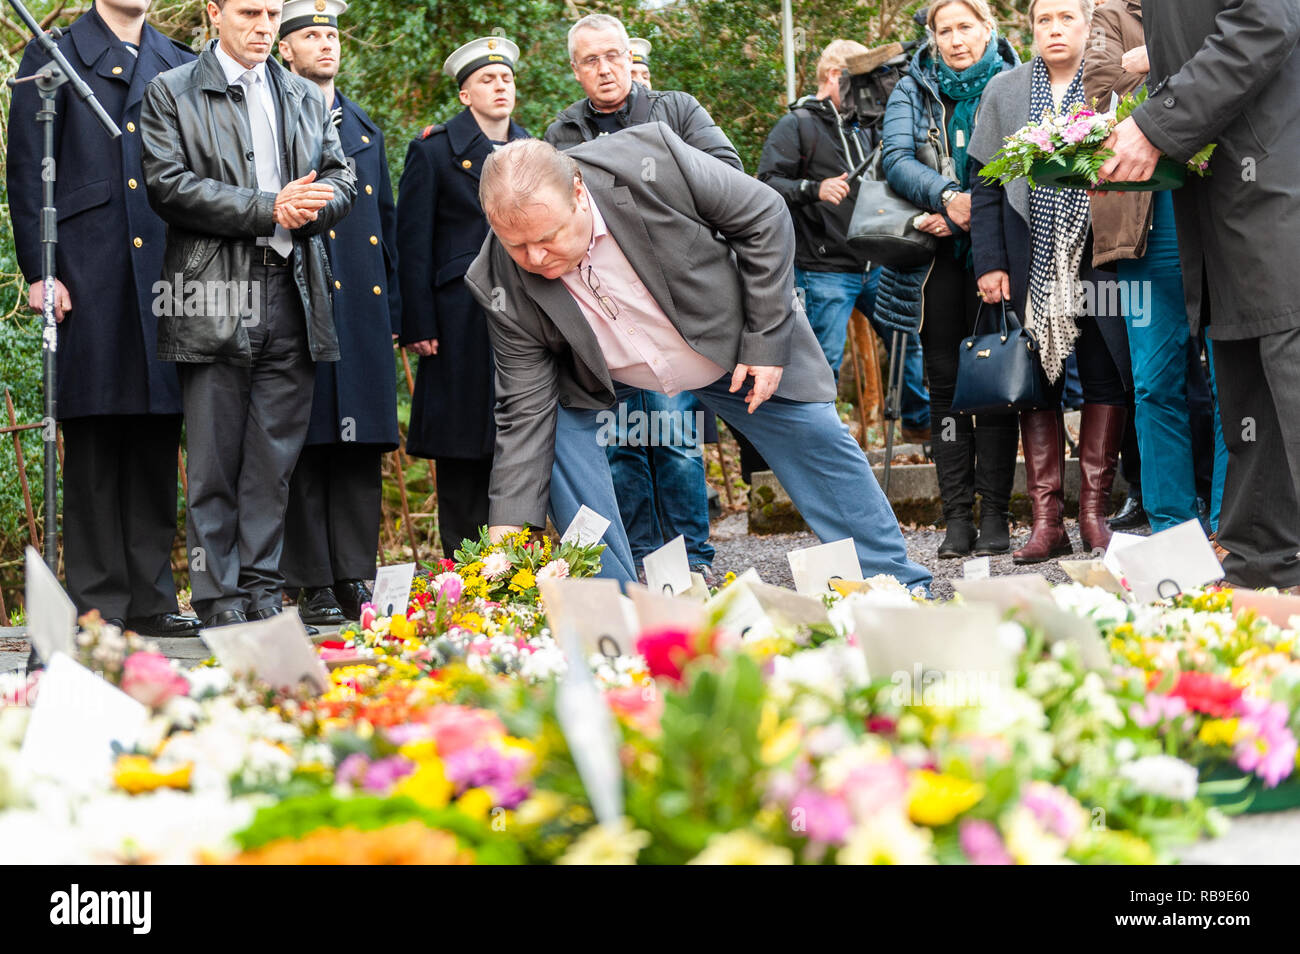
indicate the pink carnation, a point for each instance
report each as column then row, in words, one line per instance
column 1040, row 137
column 150, row 678
column 1077, row 131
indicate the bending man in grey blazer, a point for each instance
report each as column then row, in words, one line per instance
column 638, row 259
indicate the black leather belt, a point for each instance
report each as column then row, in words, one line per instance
column 266, row 255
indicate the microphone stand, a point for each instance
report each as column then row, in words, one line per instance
column 48, row 80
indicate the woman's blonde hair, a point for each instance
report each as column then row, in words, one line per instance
column 978, row 7
column 1086, row 7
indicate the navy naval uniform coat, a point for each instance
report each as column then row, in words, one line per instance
column 441, row 228
column 336, row 493
column 119, row 405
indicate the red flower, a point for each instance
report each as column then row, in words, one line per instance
column 881, row 725
column 667, row 651
column 1203, row 692
column 333, row 644
column 446, row 565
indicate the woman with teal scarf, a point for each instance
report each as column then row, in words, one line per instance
column 928, row 125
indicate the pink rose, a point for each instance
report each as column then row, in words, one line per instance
column 150, row 678
column 458, row 727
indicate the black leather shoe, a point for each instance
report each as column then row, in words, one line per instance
column 318, row 605
column 164, row 625
column 224, row 618
column 350, row 594
column 269, row 611
column 959, row 540
column 1131, row 516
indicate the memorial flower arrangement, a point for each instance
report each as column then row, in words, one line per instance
column 1070, row 144
column 444, row 745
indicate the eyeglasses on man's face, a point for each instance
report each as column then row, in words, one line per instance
column 612, row 57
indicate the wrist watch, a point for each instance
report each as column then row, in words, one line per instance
column 947, row 196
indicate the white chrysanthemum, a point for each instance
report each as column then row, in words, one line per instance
column 1091, row 602
column 1162, row 775
column 496, row 565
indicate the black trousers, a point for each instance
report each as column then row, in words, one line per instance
column 1102, row 381
column 119, row 513
column 331, row 529
column 970, row 454
column 245, row 427
column 1259, row 401
column 462, row 500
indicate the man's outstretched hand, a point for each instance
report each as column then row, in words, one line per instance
column 766, row 380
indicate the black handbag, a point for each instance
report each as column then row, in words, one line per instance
column 999, row 373
column 881, row 228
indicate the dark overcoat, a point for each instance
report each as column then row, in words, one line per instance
column 110, row 251
column 440, row 228
column 1228, row 72
column 356, row 397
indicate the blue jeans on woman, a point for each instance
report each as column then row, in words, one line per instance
column 1159, row 342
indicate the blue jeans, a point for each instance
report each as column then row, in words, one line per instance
column 828, row 299
column 658, row 471
column 914, row 402
column 1159, row 341
column 807, row 446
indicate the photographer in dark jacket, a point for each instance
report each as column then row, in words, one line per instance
column 807, row 159
column 252, row 228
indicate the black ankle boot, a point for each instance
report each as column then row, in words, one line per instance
column 960, row 538
column 995, row 536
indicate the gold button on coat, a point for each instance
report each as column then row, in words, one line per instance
column 117, row 71
column 338, row 284
column 130, row 127
column 132, row 183
column 138, row 241
column 378, row 290
column 374, row 240
column 466, row 163
column 369, row 189
column 331, row 233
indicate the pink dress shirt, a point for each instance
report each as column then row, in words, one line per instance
column 640, row 345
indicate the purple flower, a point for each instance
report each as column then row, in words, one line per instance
column 351, row 769
column 489, row 768
column 1157, row 708
column 1054, row 810
column 982, row 843
column 384, row 773
column 824, row 818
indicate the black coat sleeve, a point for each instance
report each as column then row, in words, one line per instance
column 781, row 160
column 417, row 206
column 388, row 230
column 23, row 164
column 1216, row 85
column 988, row 237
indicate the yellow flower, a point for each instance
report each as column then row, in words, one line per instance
column 420, row 750
column 782, row 743
column 1218, row 732
column 936, row 799
column 427, row 785
column 742, row 847
column 616, row 844
column 401, row 627
column 476, row 803
column 523, row 580
column 539, row 808
column 136, row 774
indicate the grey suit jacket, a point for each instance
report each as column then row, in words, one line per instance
column 716, row 250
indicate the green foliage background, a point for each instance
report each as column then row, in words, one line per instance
column 727, row 53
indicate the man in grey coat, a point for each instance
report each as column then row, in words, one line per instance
column 1228, row 71
column 641, row 260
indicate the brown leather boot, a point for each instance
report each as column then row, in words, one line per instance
column 1101, row 431
column 1043, row 435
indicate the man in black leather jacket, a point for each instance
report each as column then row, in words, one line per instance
column 243, row 164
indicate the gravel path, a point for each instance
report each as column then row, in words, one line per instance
column 737, row 550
